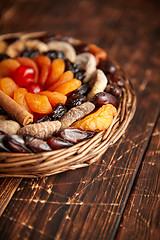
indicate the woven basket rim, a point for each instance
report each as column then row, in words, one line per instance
column 79, row 155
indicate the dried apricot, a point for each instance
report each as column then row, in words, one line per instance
column 8, row 86
column 30, row 63
column 8, row 67
column 38, row 103
column 99, row 120
column 54, row 97
column 57, row 69
column 98, row 52
column 20, row 98
column 66, row 76
column 44, row 64
column 69, row 86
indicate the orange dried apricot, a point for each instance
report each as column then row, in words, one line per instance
column 38, row 103
column 57, row 69
column 8, row 86
column 20, row 98
column 54, row 97
column 98, row 52
column 8, row 67
column 68, row 86
column 66, row 76
column 30, row 63
column 44, row 64
column 99, row 120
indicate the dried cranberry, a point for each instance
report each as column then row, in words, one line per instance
column 103, row 98
column 58, row 143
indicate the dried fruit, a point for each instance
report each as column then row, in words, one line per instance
column 20, row 98
column 75, row 99
column 44, row 64
column 54, row 97
column 34, row 88
column 8, row 86
column 114, row 90
column 99, row 120
column 54, row 54
column 36, row 145
column 30, row 63
column 107, row 66
column 30, row 53
column 38, row 103
column 58, row 143
column 98, row 52
column 76, row 113
column 103, row 98
column 57, row 69
column 8, row 67
column 40, row 130
column 24, row 75
column 58, row 111
column 65, row 77
column 75, row 135
column 68, row 86
column 9, row 126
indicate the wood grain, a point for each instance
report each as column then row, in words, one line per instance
column 89, row 203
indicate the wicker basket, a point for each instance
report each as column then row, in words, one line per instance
column 80, row 155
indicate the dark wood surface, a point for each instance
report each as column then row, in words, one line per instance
column 118, row 197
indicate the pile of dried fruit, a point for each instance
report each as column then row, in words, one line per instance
column 67, row 90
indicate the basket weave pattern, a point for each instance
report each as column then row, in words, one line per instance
column 80, row 155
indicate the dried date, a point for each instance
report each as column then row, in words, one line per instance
column 103, row 98
column 36, row 145
column 15, row 143
column 58, row 143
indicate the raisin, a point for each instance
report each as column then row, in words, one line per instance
column 71, row 66
column 36, row 145
column 103, row 98
column 58, row 111
column 75, row 135
column 83, row 89
column 80, row 75
column 30, row 53
column 52, row 54
column 15, row 143
column 3, row 56
column 44, row 119
column 58, row 143
column 76, row 99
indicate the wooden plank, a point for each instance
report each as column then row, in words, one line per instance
column 8, row 187
column 141, row 217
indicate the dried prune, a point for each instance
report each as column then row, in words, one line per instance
column 114, row 90
column 15, row 143
column 58, row 143
column 114, row 78
column 36, row 145
column 3, row 56
column 30, row 53
column 107, row 66
column 58, row 111
column 75, row 135
column 75, row 99
column 103, row 98
column 52, row 54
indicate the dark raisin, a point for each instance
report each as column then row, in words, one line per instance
column 107, row 66
column 3, row 57
column 115, row 78
column 103, row 98
column 80, row 75
column 2, row 111
column 114, row 90
column 43, row 119
column 83, row 89
column 37, row 145
column 11, row 40
column 15, row 143
column 30, row 53
column 75, row 135
column 58, row 143
column 58, row 111
column 71, row 66
column 54, row 54
column 75, row 99
column 80, row 48
column 47, row 37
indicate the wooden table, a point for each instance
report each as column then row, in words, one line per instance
column 118, row 197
